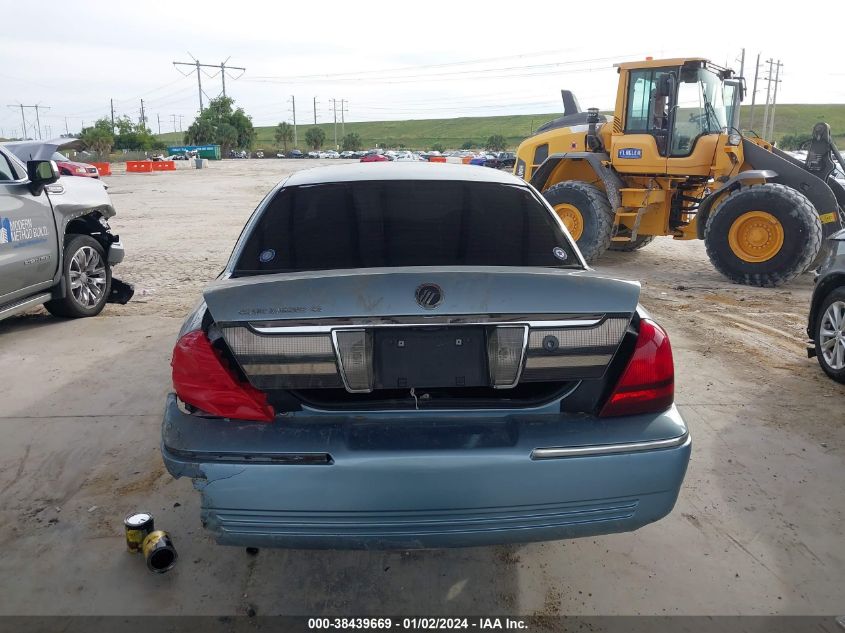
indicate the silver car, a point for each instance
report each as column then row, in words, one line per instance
column 412, row 355
column 826, row 324
column 56, row 246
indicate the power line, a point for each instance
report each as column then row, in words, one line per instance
column 199, row 66
column 357, row 74
column 35, row 107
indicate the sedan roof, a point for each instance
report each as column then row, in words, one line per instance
column 400, row 171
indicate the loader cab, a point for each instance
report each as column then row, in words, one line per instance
column 672, row 113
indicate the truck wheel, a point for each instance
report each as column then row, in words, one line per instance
column 763, row 235
column 87, row 278
column 829, row 335
column 585, row 211
column 637, row 244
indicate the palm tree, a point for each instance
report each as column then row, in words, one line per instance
column 284, row 135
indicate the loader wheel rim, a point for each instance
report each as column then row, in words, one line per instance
column 571, row 218
column 756, row 236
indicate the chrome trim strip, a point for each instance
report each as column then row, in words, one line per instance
column 609, row 449
column 328, row 325
column 562, row 361
column 290, row 369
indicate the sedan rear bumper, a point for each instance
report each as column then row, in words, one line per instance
column 433, row 480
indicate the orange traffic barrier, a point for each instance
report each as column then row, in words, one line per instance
column 437, row 159
column 104, row 169
column 139, row 166
column 466, row 160
column 164, row 165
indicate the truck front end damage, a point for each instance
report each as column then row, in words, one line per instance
column 82, row 206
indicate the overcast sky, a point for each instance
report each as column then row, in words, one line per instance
column 388, row 60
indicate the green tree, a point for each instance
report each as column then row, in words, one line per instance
column 351, row 142
column 315, row 137
column 227, row 137
column 468, row 145
column 794, row 141
column 99, row 138
column 223, row 124
column 132, row 135
column 283, row 135
column 438, row 147
column 200, row 132
column 497, row 143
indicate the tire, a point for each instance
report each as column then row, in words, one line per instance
column 831, row 361
column 87, row 278
column 763, row 235
column 641, row 242
column 593, row 207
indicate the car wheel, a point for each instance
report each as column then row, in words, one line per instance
column 585, row 211
column 829, row 335
column 763, row 235
column 87, row 278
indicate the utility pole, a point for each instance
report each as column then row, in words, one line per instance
column 111, row 101
column 23, row 123
column 143, row 116
column 342, row 118
column 38, row 122
column 223, row 68
column 315, row 110
column 293, row 107
column 66, row 130
column 158, row 116
column 754, row 92
column 771, row 135
column 742, row 64
column 768, row 95
column 334, row 107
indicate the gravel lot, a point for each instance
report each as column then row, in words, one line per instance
column 758, row 528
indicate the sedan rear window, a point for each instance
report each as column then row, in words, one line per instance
column 376, row 224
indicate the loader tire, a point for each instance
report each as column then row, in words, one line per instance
column 586, row 212
column 763, row 235
column 626, row 247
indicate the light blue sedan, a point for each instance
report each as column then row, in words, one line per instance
column 414, row 355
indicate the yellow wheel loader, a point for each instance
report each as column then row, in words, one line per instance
column 672, row 161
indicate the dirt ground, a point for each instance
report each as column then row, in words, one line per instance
column 758, row 528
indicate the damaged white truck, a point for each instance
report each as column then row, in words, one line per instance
column 56, row 247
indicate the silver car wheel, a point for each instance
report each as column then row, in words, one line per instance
column 87, row 277
column 832, row 335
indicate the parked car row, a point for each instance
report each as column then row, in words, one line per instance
column 497, row 160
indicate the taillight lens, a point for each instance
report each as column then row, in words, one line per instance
column 202, row 378
column 648, row 383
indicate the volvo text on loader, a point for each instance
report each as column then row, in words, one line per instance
column 671, row 160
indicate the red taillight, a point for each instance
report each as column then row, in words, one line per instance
column 202, row 379
column 648, row 383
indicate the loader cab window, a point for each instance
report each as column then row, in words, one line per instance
column 700, row 110
column 649, row 104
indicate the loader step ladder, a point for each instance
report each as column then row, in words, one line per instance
column 636, row 212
